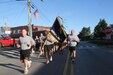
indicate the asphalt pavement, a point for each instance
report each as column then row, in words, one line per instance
column 91, row 60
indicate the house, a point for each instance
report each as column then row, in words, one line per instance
column 5, row 30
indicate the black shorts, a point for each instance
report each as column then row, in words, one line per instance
column 72, row 48
column 38, row 45
column 47, row 48
column 52, row 46
column 56, row 44
column 24, row 54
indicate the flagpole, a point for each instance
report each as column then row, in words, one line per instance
column 29, row 19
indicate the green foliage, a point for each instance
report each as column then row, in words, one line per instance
column 111, row 26
column 85, row 33
column 99, row 29
column 102, row 42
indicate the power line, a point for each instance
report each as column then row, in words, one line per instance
column 35, row 7
column 20, row 14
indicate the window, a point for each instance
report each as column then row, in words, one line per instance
column 14, row 31
column 19, row 31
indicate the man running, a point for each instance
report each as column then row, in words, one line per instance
column 25, row 43
column 48, row 47
column 72, row 41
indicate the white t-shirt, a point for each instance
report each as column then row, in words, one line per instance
column 72, row 39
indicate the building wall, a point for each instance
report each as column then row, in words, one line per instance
column 36, row 30
column 5, row 30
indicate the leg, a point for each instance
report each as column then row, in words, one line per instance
column 74, row 53
column 26, row 62
column 46, row 49
column 47, row 57
column 25, row 66
column 50, row 54
column 71, row 52
column 40, row 52
column 26, row 55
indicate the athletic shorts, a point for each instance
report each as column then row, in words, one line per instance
column 72, row 48
column 52, row 46
column 24, row 54
column 47, row 48
column 56, row 44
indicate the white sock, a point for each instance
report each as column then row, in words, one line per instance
column 26, row 68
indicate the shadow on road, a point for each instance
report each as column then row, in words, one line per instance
column 13, row 55
column 12, row 66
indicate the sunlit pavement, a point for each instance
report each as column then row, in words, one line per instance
column 10, row 64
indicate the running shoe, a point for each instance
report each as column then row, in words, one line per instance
column 51, row 58
column 29, row 63
column 73, row 60
column 25, row 71
column 47, row 62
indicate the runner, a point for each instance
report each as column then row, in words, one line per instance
column 40, row 45
column 37, row 40
column 48, row 47
column 72, row 41
column 25, row 43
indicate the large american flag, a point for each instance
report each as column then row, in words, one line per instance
column 58, row 31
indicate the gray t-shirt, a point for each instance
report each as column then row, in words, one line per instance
column 25, row 41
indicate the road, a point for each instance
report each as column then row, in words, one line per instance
column 90, row 60
column 94, row 60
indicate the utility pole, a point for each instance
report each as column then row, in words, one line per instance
column 29, row 19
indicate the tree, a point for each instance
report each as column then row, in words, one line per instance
column 111, row 25
column 99, row 29
column 85, row 33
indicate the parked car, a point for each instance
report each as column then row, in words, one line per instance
column 7, row 41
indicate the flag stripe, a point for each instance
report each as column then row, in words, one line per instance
column 58, row 31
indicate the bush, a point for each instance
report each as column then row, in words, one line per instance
column 102, row 42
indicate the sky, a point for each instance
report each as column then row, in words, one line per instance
column 76, row 14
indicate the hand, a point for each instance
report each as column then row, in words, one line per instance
column 42, row 48
column 18, row 46
column 52, row 41
column 29, row 45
